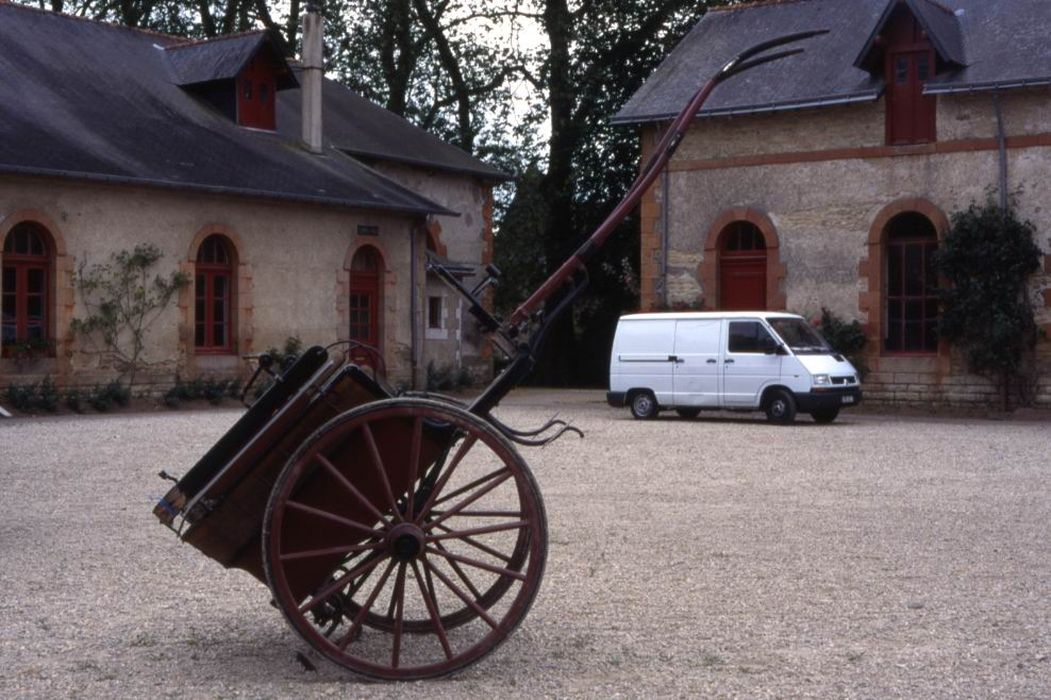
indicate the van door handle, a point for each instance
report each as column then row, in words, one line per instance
column 712, row 362
column 729, row 362
column 676, row 359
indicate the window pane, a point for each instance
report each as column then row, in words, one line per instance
column 745, row 336
column 34, row 307
column 930, row 335
column 219, row 311
column 434, row 312
column 894, row 255
column 923, row 66
column 8, row 329
column 199, row 285
column 198, row 309
column 914, row 272
column 219, row 335
column 198, row 335
column 219, row 286
column 9, row 280
column 35, row 331
column 35, row 281
column 901, row 70
column 913, row 337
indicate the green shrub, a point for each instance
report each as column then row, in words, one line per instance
column 73, row 398
column 848, row 339
column 46, row 397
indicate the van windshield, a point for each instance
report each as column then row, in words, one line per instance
column 800, row 336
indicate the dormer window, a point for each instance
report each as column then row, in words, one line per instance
column 256, row 82
column 914, row 43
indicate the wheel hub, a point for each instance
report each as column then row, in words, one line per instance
column 405, row 541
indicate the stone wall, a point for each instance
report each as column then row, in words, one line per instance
column 292, row 278
column 827, row 183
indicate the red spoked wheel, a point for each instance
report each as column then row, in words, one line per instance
column 405, row 539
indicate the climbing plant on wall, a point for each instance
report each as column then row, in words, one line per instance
column 986, row 261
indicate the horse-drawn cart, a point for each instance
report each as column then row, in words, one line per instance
column 402, row 536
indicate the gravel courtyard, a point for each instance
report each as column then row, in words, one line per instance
column 877, row 557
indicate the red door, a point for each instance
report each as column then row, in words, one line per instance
column 742, row 268
column 910, row 114
column 255, row 95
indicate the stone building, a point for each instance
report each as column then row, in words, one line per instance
column 826, row 179
column 297, row 208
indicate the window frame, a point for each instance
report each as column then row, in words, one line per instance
column 209, row 271
column 20, row 265
column 926, row 243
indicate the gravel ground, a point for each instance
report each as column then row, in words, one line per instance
column 877, row 557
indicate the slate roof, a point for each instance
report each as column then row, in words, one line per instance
column 91, row 101
column 195, row 62
column 997, row 43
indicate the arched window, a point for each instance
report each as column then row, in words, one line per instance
column 911, row 300
column 365, row 271
column 27, row 272
column 214, row 296
column 742, row 267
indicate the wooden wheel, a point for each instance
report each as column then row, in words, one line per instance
column 405, row 539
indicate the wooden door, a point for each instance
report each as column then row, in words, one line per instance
column 910, row 114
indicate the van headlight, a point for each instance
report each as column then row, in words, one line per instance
column 821, row 380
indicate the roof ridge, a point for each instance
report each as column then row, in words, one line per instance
column 940, row 6
column 190, row 41
column 89, row 20
column 753, row 4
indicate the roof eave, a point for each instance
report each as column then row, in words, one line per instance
column 223, row 190
column 493, row 175
column 1008, row 84
column 827, row 101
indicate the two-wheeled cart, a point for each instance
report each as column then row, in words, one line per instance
column 402, row 536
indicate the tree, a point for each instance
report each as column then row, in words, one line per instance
column 987, row 259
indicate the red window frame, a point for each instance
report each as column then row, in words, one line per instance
column 911, row 300
column 26, row 251
column 364, row 302
column 214, row 295
column 256, row 95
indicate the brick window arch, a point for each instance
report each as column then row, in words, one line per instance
column 214, row 295
column 27, row 275
column 743, row 237
column 910, row 285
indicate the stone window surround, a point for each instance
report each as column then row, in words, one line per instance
column 241, row 309
column 708, row 270
column 871, row 269
column 62, row 297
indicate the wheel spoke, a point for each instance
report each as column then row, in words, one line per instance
column 414, row 467
column 468, row 487
column 344, row 580
column 476, row 563
column 468, row 443
column 472, row 603
column 481, row 513
column 450, row 533
column 399, row 615
column 470, row 499
column 474, row 543
column 377, row 462
column 355, row 627
column 358, row 495
column 347, row 549
column 304, row 508
column 432, row 610
column 460, row 572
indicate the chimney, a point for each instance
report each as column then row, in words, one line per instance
column 313, row 29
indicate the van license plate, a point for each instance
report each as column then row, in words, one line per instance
column 848, row 399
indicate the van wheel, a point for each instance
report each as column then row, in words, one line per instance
column 825, row 415
column 643, row 405
column 780, row 407
column 688, row 412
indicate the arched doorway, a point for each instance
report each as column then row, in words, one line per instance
column 742, row 267
column 366, row 270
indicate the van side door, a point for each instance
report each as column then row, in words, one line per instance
column 747, row 366
column 697, row 362
column 642, row 357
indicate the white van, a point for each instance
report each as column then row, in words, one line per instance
column 740, row 360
